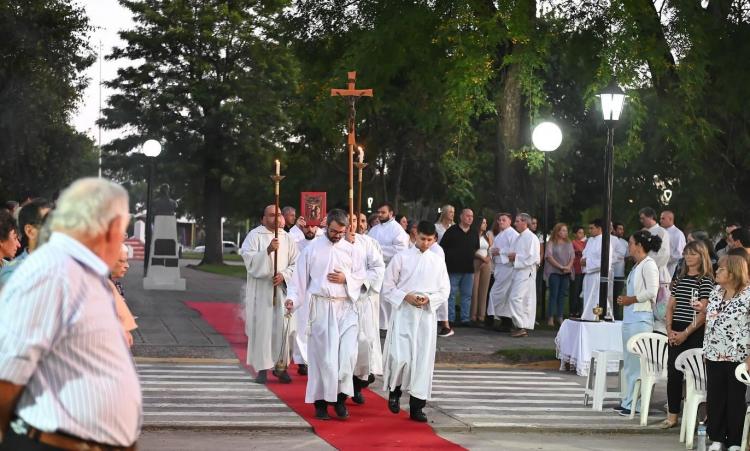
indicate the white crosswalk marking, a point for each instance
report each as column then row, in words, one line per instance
column 497, row 399
column 210, row 396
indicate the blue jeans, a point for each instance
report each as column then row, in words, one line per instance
column 558, row 287
column 631, row 367
column 463, row 282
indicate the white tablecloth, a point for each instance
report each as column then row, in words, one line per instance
column 577, row 340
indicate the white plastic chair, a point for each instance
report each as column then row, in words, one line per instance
column 652, row 350
column 742, row 375
column 596, row 381
column 691, row 363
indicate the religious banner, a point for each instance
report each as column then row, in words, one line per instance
column 313, row 207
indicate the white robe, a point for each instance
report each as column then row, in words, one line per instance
column 332, row 317
column 503, row 273
column 592, row 279
column 298, row 336
column 393, row 239
column 442, row 311
column 264, row 322
column 522, row 297
column 677, row 245
column 410, row 345
column 369, row 353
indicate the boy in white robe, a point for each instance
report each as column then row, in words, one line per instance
column 329, row 279
column 264, row 321
column 416, row 284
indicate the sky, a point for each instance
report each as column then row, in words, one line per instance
column 107, row 17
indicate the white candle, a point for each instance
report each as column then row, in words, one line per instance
column 278, row 167
column 361, row 155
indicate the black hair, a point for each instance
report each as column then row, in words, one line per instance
column 387, row 205
column 742, row 235
column 740, row 251
column 597, row 223
column 7, row 224
column 647, row 212
column 649, row 242
column 576, row 228
column 338, row 216
column 399, row 217
column 426, row 228
column 30, row 214
column 617, row 224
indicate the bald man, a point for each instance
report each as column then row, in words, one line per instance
column 676, row 239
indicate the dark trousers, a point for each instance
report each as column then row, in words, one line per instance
column 725, row 403
column 574, row 296
column 15, row 442
column 617, row 289
column 674, row 376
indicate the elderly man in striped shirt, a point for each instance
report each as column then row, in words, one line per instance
column 67, row 380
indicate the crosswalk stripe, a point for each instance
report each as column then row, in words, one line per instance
column 194, row 383
column 504, row 401
column 162, row 405
column 488, row 394
column 238, row 378
column 238, row 396
column 201, row 373
column 503, row 377
column 516, row 382
column 205, row 389
column 509, row 372
column 223, row 424
column 493, row 389
column 219, row 414
column 599, row 419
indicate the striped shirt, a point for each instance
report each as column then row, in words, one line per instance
column 60, row 338
column 682, row 291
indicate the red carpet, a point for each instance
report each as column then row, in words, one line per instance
column 369, row 426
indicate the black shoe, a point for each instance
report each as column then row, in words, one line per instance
column 383, row 333
column 283, row 376
column 321, row 410
column 370, row 379
column 415, row 409
column 340, row 407
column 262, row 377
column 358, row 384
column 445, row 332
column 302, row 369
column 358, row 398
column 394, row 400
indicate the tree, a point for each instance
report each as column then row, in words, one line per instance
column 212, row 81
column 43, row 46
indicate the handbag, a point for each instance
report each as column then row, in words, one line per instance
column 659, row 305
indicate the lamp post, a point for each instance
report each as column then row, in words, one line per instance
column 152, row 149
column 612, row 99
column 547, row 138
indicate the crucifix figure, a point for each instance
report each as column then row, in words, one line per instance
column 351, row 93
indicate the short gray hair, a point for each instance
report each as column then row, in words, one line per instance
column 87, row 207
column 525, row 217
column 286, row 210
column 340, row 216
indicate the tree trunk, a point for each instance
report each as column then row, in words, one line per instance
column 212, row 211
column 399, row 177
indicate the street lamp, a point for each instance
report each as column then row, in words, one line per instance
column 547, row 138
column 612, row 100
column 152, row 149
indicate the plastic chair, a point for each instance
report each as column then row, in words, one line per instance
column 596, row 381
column 652, row 350
column 742, row 375
column 691, row 363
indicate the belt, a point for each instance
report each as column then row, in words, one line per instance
column 333, row 299
column 63, row 441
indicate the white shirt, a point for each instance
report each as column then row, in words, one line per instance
column 663, row 255
column 60, row 338
column 593, row 254
column 620, row 251
column 676, row 245
column 526, row 247
column 392, row 238
column 440, row 229
column 503, row 243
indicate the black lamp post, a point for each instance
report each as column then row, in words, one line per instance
column 612, row 100
column 152, row 149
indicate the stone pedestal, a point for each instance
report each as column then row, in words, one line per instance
column 164, row 269
column 139, row 231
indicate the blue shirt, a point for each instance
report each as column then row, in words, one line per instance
column 11, row 267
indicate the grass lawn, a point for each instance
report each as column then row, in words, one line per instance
column 197, row 256
column 225, row 270
column 523, row 355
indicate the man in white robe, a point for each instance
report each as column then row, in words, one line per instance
column 503, row 271
column 591, row 265
column 647, row 216
column 524, row 254
column 369, row 354
column 265, row 315
column 677, row 240
column 620, row 248
column 330, row 277
column 393, row 239
column 303, row 235
column 416, row 284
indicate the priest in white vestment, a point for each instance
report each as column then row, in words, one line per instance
column 677, row 240
column 503, row 267
column 416, row 284
column 647, row 216
column 329, row 279
column 303, row 235
column 265, row 316
column 369, row 353
column 393, row 239
column 591, row 266
column 524, row 254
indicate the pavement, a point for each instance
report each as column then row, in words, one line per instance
column 192, row 380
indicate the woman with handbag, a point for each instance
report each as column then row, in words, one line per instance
column 637, row 316
column 692, row 284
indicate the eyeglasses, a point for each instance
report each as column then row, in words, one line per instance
column 336, row 232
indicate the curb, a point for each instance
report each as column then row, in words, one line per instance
column 198, row 360
column 553, row 429
column 166, row 426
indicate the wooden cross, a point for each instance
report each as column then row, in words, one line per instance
column 351, row 93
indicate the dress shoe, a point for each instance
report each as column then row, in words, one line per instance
column 358, row 384
column 394, row 400
column 340, row 407
column 370, row 379
column 302, row 369
column 358, row 398
column 321, row 410
column 283, row 376
column 415, row 409
column 262, row 377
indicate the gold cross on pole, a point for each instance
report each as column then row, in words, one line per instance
column 351, row 93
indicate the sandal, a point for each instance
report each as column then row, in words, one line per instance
column 666, row 424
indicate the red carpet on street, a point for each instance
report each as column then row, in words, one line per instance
column 370, row 425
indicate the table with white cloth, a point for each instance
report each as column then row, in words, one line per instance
column 577, row 340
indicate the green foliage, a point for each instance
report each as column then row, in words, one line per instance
column 43, row 46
